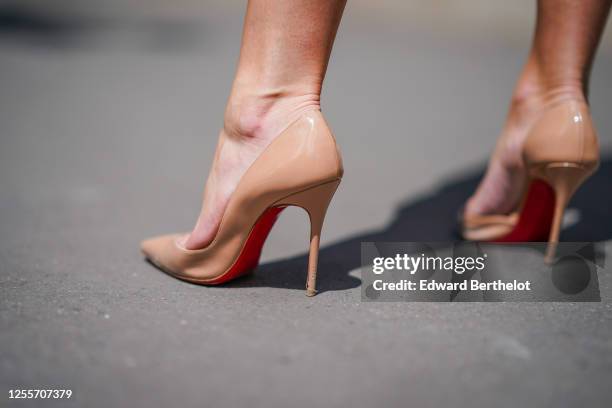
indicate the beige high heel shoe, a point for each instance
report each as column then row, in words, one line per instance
column 301, row 167
column 560, row 153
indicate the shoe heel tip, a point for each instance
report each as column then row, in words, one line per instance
column 310, row 292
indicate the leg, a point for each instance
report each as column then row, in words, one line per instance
column 285, row 50
column 566, row 37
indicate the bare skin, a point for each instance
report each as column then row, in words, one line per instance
column 559, row 64
column 285, row 49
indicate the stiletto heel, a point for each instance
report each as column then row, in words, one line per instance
column 301, row 167
column 314, row 201
column 564, row 178
column 560, row 152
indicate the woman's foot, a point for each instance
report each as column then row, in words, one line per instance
column 251, row 124
column 501, row 188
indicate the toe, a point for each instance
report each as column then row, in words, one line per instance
column 155, row 248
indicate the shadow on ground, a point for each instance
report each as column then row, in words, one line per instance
column 430, row 219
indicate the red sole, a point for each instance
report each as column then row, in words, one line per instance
column 535, row 220
column 249, row 256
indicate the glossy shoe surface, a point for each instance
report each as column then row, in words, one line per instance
column 303, row 159
column 560, row 152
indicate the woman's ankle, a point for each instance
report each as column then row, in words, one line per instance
column 265, row 114
column 537, row 87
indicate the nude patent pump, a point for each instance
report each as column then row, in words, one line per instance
column 302, row 167
column 560, row 153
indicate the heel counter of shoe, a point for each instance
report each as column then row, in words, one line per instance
column 332, row 157
column 304, row 155
column 564, row 133
column 590, row 141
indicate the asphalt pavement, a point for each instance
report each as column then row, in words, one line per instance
column 107, row 129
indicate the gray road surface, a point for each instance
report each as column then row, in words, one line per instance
column 107, row 129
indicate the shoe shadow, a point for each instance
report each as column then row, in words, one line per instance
column 431, row 218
